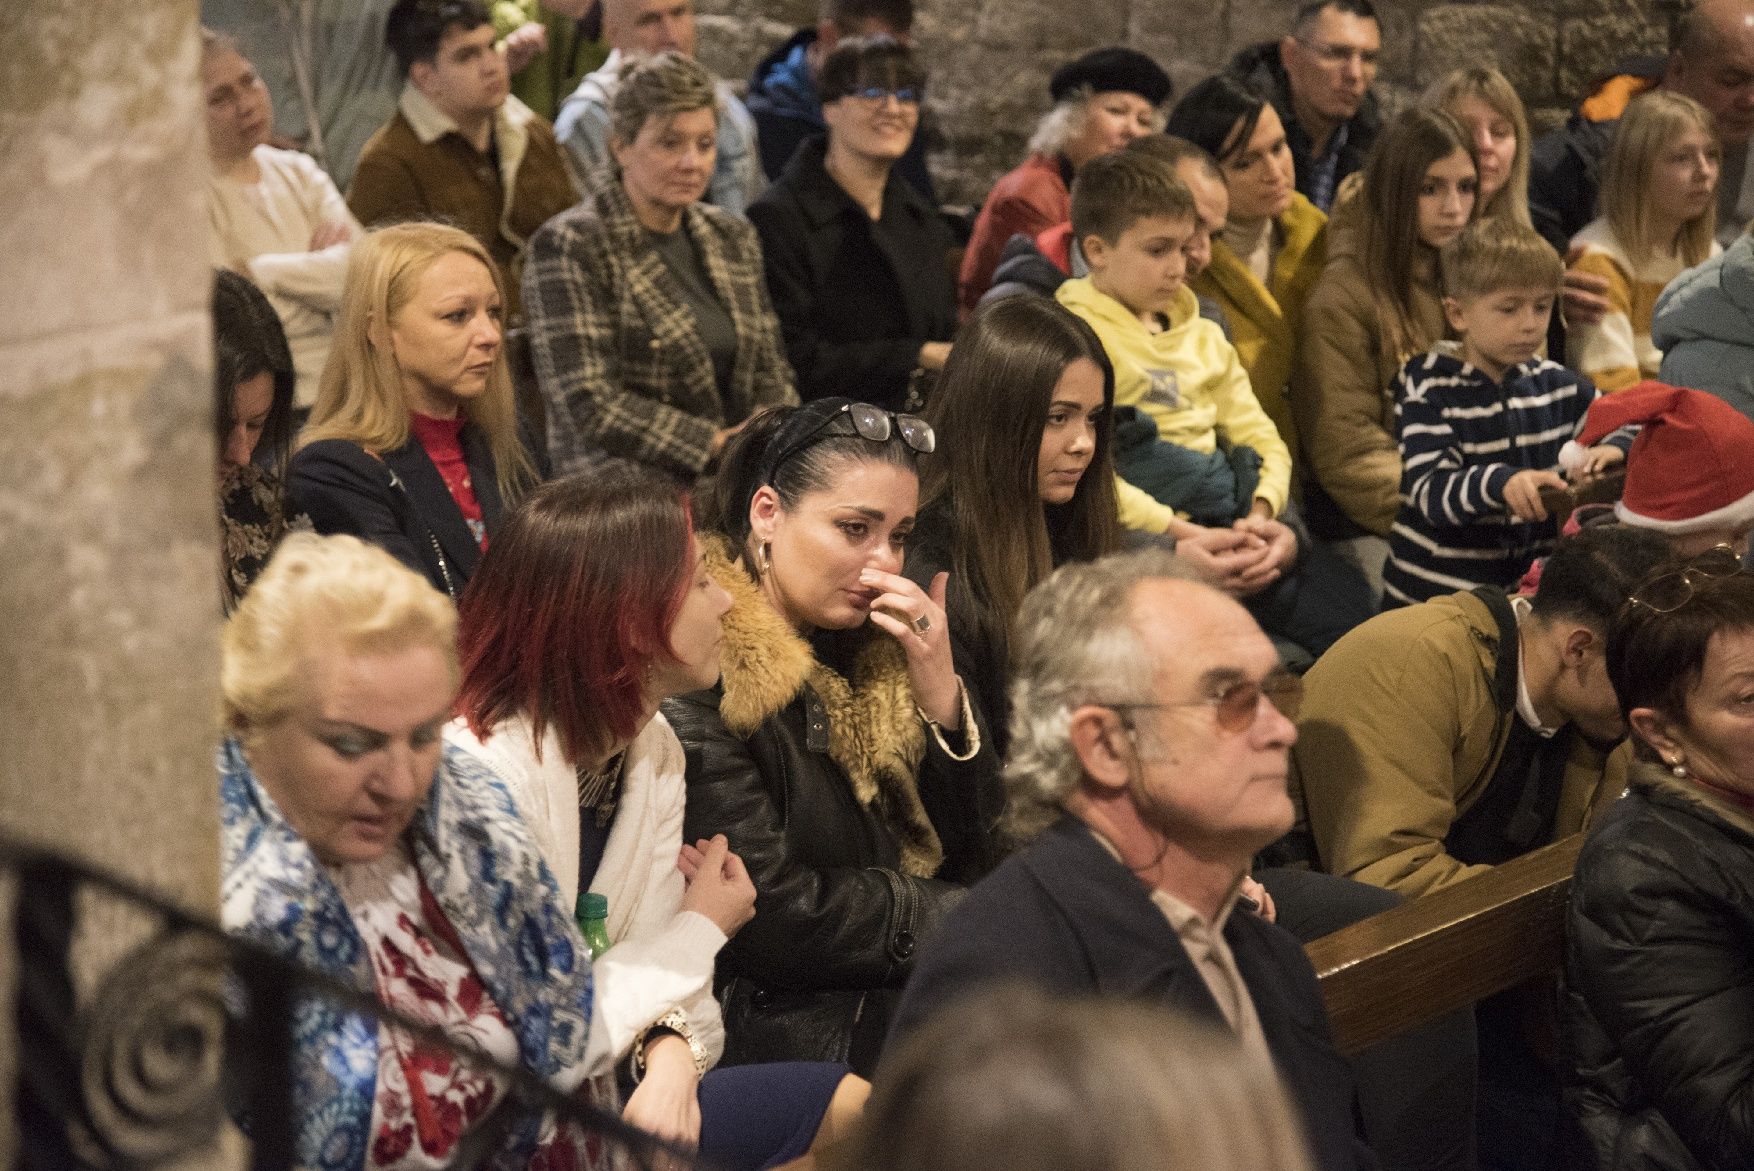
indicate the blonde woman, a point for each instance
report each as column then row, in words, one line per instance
column 358, row 843
column 413, row 443
column 1658, row 219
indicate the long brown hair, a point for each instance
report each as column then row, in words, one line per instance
column 1392, row 249
column 360, row 397
column 989, row 411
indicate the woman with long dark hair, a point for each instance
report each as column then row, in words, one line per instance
column 840, row 752
column 253, row 387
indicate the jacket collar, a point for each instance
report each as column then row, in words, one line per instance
column 432, row 500
column 1081, row 293
column 822, row 200
column 874, row 731
column 1657, row 781
column 511, row 132
column 1140, row 955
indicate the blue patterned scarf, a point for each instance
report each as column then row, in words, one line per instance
column 484, row 870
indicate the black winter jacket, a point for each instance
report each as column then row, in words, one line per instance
column 1659, row 1008
column 858, row 831
column 399, row 502
column 1062, row 914
column 856, row 300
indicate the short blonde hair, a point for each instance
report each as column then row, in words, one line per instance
column 1490, row 255
column 360, row 397
column 1493, row 88
column 660, row 86
column 1010, row 1078
column 1652, row 121
column 322, row 593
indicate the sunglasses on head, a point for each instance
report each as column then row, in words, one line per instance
column 865, row 421
column 1670, row 591
column 1236, row 704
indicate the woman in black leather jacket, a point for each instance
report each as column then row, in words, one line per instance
column 839, row 752
column 1660, row 934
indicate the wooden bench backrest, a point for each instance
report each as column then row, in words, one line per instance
column 1398, row 970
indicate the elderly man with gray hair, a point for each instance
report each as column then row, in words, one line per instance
column 1148, row 758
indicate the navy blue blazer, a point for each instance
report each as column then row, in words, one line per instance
column 399, row 502
column 1064, row 915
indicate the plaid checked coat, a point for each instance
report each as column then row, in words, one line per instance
column 617, row 353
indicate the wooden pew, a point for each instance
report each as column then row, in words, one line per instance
column 1395, row 971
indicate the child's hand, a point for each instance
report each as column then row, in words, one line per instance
column 1522, row 496
column 1597, row 460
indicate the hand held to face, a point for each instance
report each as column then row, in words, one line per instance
column 916, row 620
column 718, row 885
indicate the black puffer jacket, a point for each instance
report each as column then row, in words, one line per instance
column 858, row 830
column 1660, row 976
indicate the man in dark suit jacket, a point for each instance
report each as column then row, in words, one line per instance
column 1147, row 728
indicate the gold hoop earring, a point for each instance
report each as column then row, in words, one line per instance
column 764, row 559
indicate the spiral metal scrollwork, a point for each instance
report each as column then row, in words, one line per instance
column 150, row 1044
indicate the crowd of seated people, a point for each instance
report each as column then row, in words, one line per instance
column 704, row 549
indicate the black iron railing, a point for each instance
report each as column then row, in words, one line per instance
column 193, row 1024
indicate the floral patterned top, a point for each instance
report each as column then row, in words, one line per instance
column 252, row 520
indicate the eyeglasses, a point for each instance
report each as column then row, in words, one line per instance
column 1237, row 704
column 907, row 95
column 865, row 421
column 1331, row 54
column 1671, row 591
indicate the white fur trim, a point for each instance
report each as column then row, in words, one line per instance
column 1725, row 517
column 1573, row 456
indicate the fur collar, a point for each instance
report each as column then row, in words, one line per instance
column 874, row 733
column 1657, row 779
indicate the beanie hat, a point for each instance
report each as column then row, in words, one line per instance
column 1113, row 70
column 1691, row 467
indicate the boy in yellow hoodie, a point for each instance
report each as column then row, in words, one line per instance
column 1132, row 217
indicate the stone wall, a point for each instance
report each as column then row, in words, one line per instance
column 990, row 59
column 109, row 588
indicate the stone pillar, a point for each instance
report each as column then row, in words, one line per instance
column 108, row 536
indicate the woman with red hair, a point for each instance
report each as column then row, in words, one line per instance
column 591, row 606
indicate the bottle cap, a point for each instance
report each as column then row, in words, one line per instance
column 593, row 905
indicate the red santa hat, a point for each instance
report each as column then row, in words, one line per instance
column 1691, row 467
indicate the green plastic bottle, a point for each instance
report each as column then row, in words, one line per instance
column 591, row 913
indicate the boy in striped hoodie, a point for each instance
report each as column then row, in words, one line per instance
column 1481, row 420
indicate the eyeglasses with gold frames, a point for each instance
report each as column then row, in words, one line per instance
column 1236, row 704
column 1668, row 592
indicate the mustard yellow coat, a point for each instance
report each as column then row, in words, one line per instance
column 1264, row 318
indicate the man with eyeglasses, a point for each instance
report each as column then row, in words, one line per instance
column 1319, row 80
column 1441, row 739
column 644, row 27
column 1150, row 726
